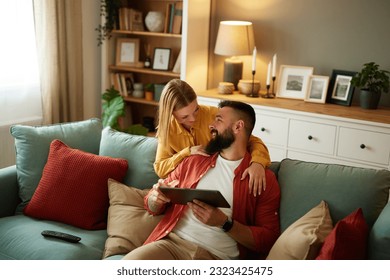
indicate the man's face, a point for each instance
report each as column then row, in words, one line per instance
column 221, row 132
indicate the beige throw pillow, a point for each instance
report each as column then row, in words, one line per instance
column 129, row 224
column 303, row 239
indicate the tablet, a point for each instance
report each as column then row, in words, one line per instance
column 182, row 196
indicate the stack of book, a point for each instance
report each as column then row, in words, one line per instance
column 173, row 18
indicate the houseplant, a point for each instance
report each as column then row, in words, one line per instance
column 109, row 10
column 372, row 82
column 114, row 109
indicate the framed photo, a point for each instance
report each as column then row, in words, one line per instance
column 161, row 58
column 293, row 81
column 127, row 51
column 340, row 89
column 317, row 89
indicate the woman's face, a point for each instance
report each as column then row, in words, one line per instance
column 186, row 116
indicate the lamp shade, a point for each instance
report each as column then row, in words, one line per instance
column 235, row 38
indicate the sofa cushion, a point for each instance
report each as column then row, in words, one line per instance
column 303, row 239
column 379, row 241
column 344, row 188
column 348, row 239
column 129, row 224
column 73, row 188
column 32, row 148
column 21, row 239
column 140, row 152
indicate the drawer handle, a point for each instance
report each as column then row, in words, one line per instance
column 310, row 137
column 262, row 129
column 362, row 146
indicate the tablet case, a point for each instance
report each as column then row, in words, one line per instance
column 183, row 196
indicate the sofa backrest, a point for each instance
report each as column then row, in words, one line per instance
column 304, row 184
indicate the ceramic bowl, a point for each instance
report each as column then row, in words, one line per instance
column 245, row 86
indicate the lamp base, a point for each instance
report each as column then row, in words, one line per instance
column 232, row 72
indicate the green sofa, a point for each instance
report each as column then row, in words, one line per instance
column 303, row 185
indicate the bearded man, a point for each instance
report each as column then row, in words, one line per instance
column 197, row 230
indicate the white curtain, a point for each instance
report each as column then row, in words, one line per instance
column 20, row 97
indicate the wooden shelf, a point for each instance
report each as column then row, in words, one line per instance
column 147, row 33
column 144, row 71
column 380, row 115
column 140, row 100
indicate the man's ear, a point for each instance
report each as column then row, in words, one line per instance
column 238, row 126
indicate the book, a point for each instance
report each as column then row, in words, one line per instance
column 177, row 18
column 177, row 66
column 167, row 17
column 171, row 15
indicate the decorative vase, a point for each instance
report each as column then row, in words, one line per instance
column 369, row 99
column 154, row 21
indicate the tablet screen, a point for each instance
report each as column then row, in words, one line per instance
column 182, row 196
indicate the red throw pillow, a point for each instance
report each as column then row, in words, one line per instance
column 73, row 188
column 348, row 239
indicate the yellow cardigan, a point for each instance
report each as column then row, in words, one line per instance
column 180, row 141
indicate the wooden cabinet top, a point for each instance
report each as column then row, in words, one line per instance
column 380, row 115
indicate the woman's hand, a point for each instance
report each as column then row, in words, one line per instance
column 198, row 150
column 257, row 181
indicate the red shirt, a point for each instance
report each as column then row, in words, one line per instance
column 260, row 213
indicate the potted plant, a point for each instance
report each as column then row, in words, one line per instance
column 109, row 9
column 114, row 110
column 372, row 82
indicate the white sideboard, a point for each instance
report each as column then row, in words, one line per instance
column 326, row 133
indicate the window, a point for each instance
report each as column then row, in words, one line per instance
column 20, row 98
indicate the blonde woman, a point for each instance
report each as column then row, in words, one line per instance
column 183, row 130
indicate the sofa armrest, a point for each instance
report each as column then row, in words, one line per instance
column 379, row 240
column 9, row 198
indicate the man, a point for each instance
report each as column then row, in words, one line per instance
column 247, row 230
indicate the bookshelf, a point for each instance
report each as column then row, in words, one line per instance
column 193, row 52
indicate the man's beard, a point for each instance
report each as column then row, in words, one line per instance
column 220, row 141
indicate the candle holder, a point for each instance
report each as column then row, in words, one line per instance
column 253, row 93
column 272, row 93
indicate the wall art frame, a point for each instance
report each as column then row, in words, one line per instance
column 161, row 59
column 340, row 90
column 127, row 51
column 317, row 89
column 293, row 81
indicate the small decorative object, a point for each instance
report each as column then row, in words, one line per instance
column 161, row 58
column 293, row 81
column 225, row 88
column 149, row 92
column 248, row 87
column 148, row 61
column 318, row 87
column 372, row 82
column 138, row 91
column 340, row 89
column 154, row 21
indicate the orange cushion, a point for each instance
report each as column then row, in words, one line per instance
column 73, row 187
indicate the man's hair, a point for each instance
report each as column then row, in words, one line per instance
column 244, row 112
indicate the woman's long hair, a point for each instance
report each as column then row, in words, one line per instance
column 175, row 95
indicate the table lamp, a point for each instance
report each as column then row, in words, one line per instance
column 234, row 38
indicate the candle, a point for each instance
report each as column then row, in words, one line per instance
column 274, row 66
column 254, row 59
column 269, row 74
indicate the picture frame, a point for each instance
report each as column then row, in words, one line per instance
column 293, row 81
column 317, row 89
column 340, row 90
column 161, row 58
column 127, row 51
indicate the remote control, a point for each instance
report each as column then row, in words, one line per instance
column 61, row 235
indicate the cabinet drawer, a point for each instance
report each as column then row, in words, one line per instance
column 364, row 145
column 272, row 130
column 315, row 137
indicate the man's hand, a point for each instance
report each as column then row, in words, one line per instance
column 198, row 150
column 157, row 199
column 257, row 181
column 207, row 214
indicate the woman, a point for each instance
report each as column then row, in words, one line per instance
column 183, row 130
